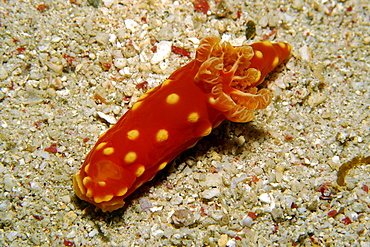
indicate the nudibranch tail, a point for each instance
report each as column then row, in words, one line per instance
column 230, row 75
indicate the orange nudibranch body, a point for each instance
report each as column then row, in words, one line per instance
column 220, row 83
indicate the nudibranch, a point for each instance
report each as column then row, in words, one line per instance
column 219, row 84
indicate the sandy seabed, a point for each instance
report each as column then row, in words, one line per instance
column 69, row 70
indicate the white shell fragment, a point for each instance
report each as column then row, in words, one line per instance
column 108, row 118
column 265, row 198
column 163, row 52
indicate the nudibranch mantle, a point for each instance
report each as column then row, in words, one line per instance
column 219, row 84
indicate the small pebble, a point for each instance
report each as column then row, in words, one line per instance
column 102, row 38
column 69, row 217
column 9, row 182
column 109, row 3
column 265, row 198
column 222, row 241
column 43, row 154
column 93, row 233
column 71, row 234
column 213, row 180
column 316, row 99
column 56, row 39
column 258, row 170
column 163, row 52
column 231, row 243
column 367, row 40
column 108, row 118
column 120, row 62
column 305, row 53
column 183, row 217
column 236, row 180
column 11, row 235
column 210, row 193
column 247, row 221
column 277, row 215
column 263, row 21
column 35, row 186
column 57, row 68
column 132, row 25
column 176, row 200
column 145, row 204
column 5, row 205
column 298, row 4
column 3, row 73
column 65, row 199
column 158, row 233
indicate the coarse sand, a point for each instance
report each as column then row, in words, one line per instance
column 70, row 69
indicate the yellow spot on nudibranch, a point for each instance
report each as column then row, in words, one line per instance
column 102, row 183
column 136, row 105
column 140, row 170
column 87, row 167
column 78, row 181
column 101, row 135
column 138, row 185
column 132, row 134
column 191, row 146
column 106, row 198
column 289, row 47
column 282, row 45
column 212, row 100
column 267, row 43
column 130, row 157
column 162, row 135
column 108, row 151
column 207, row 131
column 89, row 192
column 166, row 82
column 100, row 146
column 172, row 98
column 258, row 77
column 143, row 97
column 86, row 180
column 275, row 62
column 258, row 54
column 193, row 117
column 150, row 90
column 122, row 192
column 161, row 166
